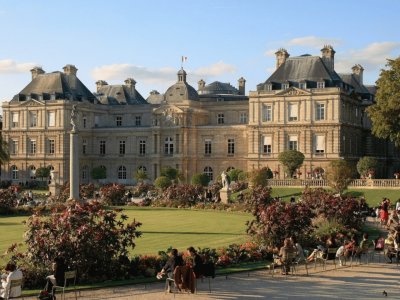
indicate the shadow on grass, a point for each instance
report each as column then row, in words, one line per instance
column 197, row 233
column 11, row 224
column 354, row 193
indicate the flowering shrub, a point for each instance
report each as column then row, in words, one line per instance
column 182, row 195
column 238, row 186
column 142, row 188
column 8, row 200
column 259, row 196
column 113, row 194
column 147, row 265
column 87, row 190
column 92, row 240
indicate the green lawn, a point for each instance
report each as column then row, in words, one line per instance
column 373, row 196
column 162, row 227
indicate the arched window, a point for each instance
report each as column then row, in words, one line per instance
column 209, row 172
column 104, row 168
column 122, row 172
column 85, row 172
column 14, row 172
column 32, row 172
column 142, row 168
column 230, row 168
column 168, row 146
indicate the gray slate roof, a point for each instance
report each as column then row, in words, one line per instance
column 219, row 88
column 155, row 97
column 181, row 90
column 63, row 86
column 119, row 94
column 352, row 80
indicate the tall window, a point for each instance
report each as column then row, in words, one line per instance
column 168, row 146
column 122, row 172
column 14, row 172
column 143, row 169
column 51, row 119
column 320, row 112
column 102, row 147
column 267, row 113
column 319, row 144
column 231, row 146
column 84, row 146
column 96, row 121
column 209, row 172
column 32, row 146
column 14, row 147
column 118, row 120
column 122, row 147
column 33, row 119
column 207, row 147
column 142, row 147
column 84, row 121
column 303, row 85
column 267, row 145
column 293, row 142
column 243, row 118
column 51, row 146
column 138, row 121
column 320, row 84
column 292, row 111
column 32, row 172
column 220, row 119
column 84, row 172
column 15, row 119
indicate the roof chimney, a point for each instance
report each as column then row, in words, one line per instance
column 131, row 83
column 36, row 71
column 328, row 57
column 358, row 71
column 281, row 56
column 70, row 70
column 201, row 85
column 99, row 84
column 242, row 86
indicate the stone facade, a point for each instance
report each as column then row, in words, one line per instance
column 318, row 112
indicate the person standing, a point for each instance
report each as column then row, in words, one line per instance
column 197, row 264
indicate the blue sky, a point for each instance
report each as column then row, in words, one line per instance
column 223, row 40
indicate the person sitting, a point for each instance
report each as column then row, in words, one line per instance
column 393, row 219
column 173, row 261
column 364, row 245
column 286, row 254
column 350, row 247
column 298, row 249
column 197, row 263
column 340, row 254
column 389, row 251
column 13, row 274
column 58, row 267
column 379, row 243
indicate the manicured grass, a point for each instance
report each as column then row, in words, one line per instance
column 162, row 227
column 373, row 196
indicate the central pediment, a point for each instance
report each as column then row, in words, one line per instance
column 293, row 91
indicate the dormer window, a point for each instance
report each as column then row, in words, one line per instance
column 320, row 84
column 303, row 85
column 285, row 86
column 268, row 87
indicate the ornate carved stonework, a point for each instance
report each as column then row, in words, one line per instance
column 293, row 92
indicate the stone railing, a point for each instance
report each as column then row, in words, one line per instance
column 355, row 183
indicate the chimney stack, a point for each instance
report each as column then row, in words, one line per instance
column 328, row 57
column 131, row 83
column 281, row 56
column 70, row 70
column 36, row 71
column 201, row 84
column 242, row 86
column 99, row 84
column 358, row 70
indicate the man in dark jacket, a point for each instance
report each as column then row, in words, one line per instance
column 197, row 263
column 173, row 261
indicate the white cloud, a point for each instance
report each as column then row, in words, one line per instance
column 8, row 66
column 270, row 52
column 166, row 75
column 312, row 41
column 372, row 57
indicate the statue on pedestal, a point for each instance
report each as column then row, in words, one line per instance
column 225, row 181
column 73, row 117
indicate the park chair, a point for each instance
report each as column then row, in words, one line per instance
column 324, row 259
column 13, row 284
column 68, row 275
column 297, row 262
column 209, row 273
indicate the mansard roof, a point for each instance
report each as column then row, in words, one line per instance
column 119, row 94
column 352, row 80
column 58, row 84
column 219, row 88
column 181, row 90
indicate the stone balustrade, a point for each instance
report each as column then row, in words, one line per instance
column 355, row 183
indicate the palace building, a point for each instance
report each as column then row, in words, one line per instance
column 304, row 105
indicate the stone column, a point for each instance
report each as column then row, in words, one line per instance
column 74, row 166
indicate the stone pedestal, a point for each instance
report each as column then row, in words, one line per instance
column 74, row 166
column 224, row 194
column 54, row 187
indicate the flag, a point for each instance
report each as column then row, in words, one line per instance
column 184, row 58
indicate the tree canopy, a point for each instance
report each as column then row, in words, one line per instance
column 98, row 173
column 291, row 160
column 339, row 175
column 42, row 172
column 385, row 113
column 366, row 164
column 4, row 151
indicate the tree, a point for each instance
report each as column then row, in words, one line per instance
column 4, row 151
column 291, row 160
column 366, row 164
column 169, row 172
column 162, row 182
column 385, row 113
column 259, row 177
column 339, row 175
column 42, row 172
column 98, row 173
column 200, row 179
column 234, row 174
column 140, row 175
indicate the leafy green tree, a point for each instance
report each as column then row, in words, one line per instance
column 4, row 151
column 366, row 164
column 98, row 173
column 385, row 113
column 234, row 174
column 339, row 175
column 140, row 175
column 200, row 179
column 291, row 160
column 169, row 172
column 259, row 177
column 162, row 182
column 42, row 172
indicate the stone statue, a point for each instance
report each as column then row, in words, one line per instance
column 224, row 178
column 73, row 117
